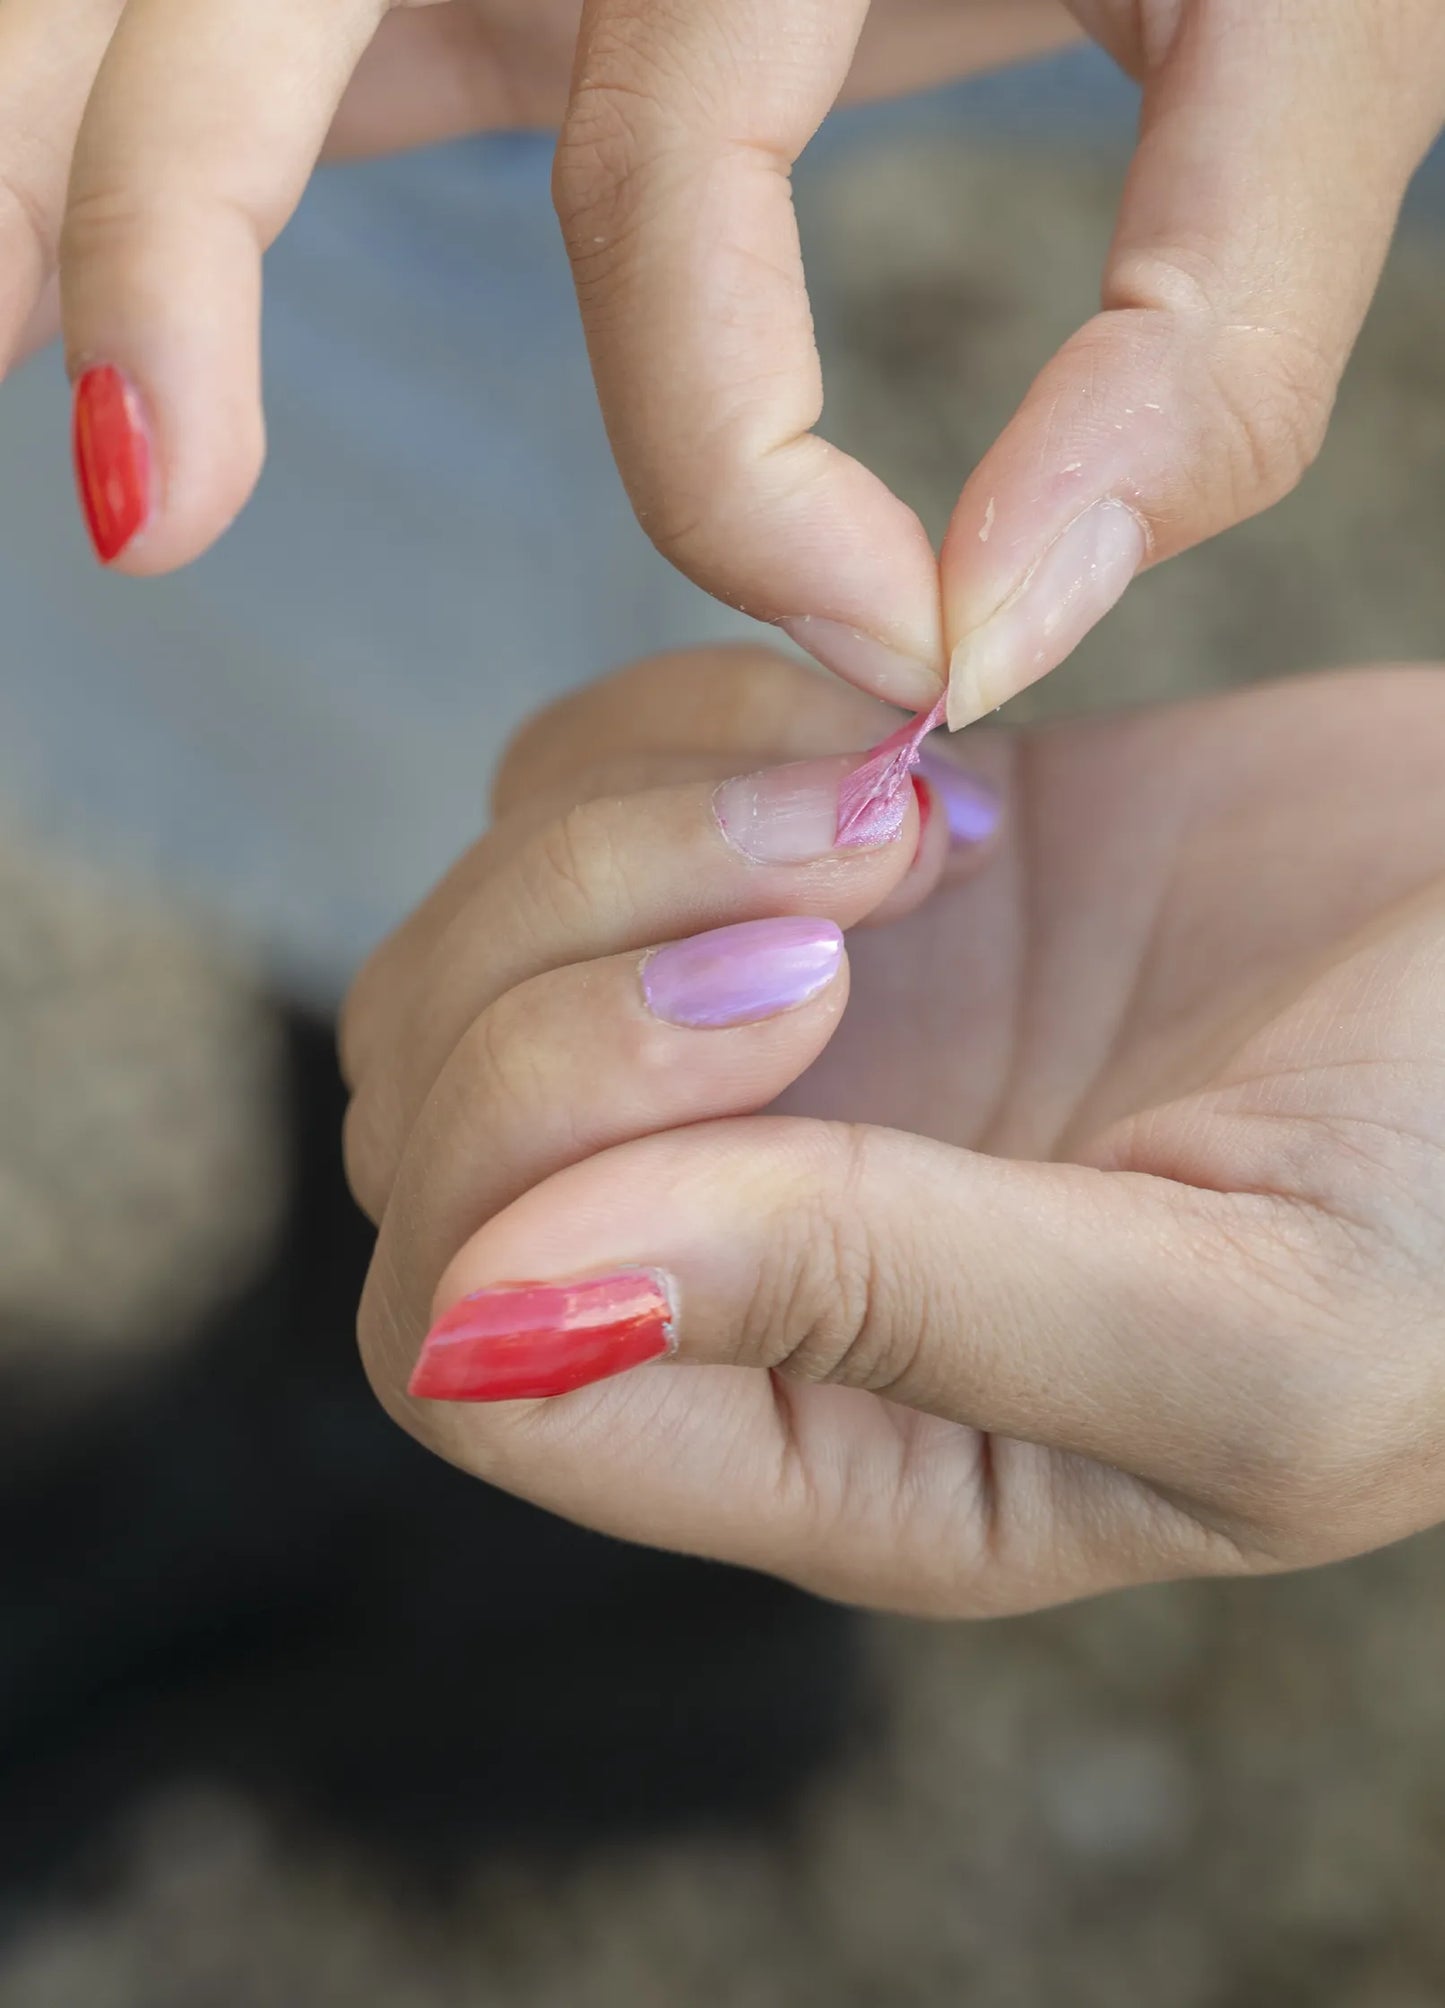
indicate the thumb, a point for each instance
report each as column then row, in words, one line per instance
column 1104, row 1313
column 1273, row 154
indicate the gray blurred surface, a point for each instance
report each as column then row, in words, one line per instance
column 297, row 732
column 1223, row 1796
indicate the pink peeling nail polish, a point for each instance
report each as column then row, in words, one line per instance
column 873, row 799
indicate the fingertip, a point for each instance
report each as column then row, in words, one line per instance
column 147, row 506
column 881, row 669
column 1068, row 589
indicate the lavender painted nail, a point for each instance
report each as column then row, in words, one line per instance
column 739, row 975
column 972, row 808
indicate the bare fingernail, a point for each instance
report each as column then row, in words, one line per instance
column 971, row 807
column 1072, row 585
column 862, row 660
column 789, row 815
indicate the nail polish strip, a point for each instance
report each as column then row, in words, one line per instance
column 972, row 807
column 743, row 974
column 529, row 1341
column 874, row 797
column 112, row 459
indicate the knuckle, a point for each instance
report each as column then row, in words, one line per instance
column 574, row 871
column 612, row 147
column 99, row 213
column 1270, row 387
column 33, row 216
column 1277, row 403
column 636, row 97
column 684, row 528
column 1336, row 1372
column 820, row 1311
column 503, row 1065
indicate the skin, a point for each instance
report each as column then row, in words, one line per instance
column 152, row 148
column 1090, row 1230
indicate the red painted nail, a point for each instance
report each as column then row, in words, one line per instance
column 924, row 795
column 112, row 459
column 523, row 1341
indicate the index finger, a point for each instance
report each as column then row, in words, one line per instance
column 672, row 185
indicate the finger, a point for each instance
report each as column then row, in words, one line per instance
column 916, row 45
column 588, row 1057
column 703, row 715
column 201, row 132
column 448, row 70
column 672, row 186
column 742, row 705
column 1112, row 1316
column 1271, row 163
column 50, row 51
column 613, row 876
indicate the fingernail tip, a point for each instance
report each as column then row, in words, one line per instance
column 862, row 659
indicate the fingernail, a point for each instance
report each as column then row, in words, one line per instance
column 789, row 815
column 739, row 975
column 971, row 807
column 526, row 1341
column 112, row 459
column 859, row 659
column 1072, row 585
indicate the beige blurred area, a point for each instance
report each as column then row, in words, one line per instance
column 1227, row 1796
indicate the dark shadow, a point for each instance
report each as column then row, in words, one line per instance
column 234, row 1567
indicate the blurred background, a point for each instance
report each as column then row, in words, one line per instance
column 290, row 1713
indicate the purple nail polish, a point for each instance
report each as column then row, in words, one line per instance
column 972, row 808
column 739, row 975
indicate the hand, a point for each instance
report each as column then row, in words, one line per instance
column 1277, row 138
column 1100, row 1239
column 185, row 131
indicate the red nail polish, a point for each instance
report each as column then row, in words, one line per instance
column 112, row 459
column 923, row 794
column 524, row 1341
